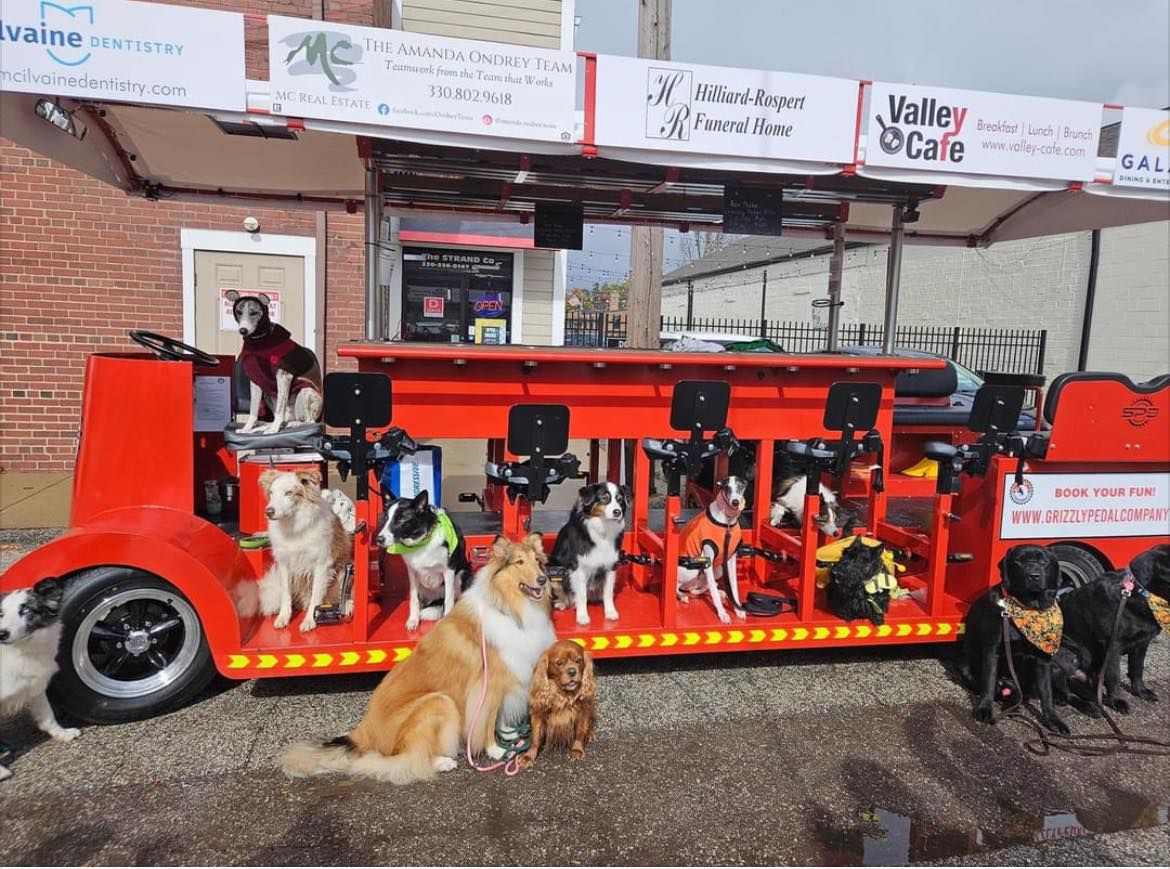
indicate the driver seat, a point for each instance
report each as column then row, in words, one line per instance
column 291, row 438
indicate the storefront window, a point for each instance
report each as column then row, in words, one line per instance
column 447, row 294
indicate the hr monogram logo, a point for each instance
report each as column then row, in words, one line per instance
column 668, row 104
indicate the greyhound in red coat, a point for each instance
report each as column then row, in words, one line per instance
column 281, row 371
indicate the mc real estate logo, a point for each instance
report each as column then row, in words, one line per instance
column 326, row 53
column 668, row 104
column 923, row 130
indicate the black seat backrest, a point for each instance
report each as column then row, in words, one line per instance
column 927, row 383
column 538, row 430
column 1061, row 380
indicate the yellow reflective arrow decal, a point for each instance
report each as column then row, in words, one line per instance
column 375, row 656
column 904, row 630
column 942, row 629
column 645, row 641
column 320, row 659
column 713, row 637
column 349, row 658
column 669, row 639
column 820, row 633
column 841, row 632
column 961, row 628
column 735, row 636
column 779, row 635
column 266, row 662
column 236, row 662
column 689, row 639
column 402, row 653
column 923, row 629
column 862, row 631
column 622, row 642
column 600, row 643
column 800, row 633
column 757, row 636
column 580, row 641
column 884, row 630
column 291, row 662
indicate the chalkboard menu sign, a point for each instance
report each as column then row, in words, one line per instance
column 752, row 210
column 559, row 226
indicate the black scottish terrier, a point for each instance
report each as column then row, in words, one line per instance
column 853, row 590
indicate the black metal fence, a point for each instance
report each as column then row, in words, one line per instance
column 1016, row 351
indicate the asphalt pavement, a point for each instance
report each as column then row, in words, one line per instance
column 830, row 757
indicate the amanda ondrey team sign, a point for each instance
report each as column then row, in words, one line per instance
column 117, row 50
column 367, row 75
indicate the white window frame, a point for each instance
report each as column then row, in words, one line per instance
column 192, row 240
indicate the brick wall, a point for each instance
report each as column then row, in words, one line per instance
column 81, row 264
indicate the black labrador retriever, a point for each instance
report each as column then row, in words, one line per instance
column 1089, row 614
column 1030, row 577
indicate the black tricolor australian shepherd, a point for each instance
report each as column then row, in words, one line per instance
column 588, row 547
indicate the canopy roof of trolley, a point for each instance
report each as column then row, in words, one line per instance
column 617, row 173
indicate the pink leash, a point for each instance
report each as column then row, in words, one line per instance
column 511, row 764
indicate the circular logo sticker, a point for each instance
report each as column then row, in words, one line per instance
column 1021, row 493
column 487, row 120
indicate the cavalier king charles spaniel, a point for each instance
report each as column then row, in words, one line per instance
column 562, row 701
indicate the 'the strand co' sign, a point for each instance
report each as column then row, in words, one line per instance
column 370, row 75
column 946, row 130
column 661, row 106
column 1050, row 506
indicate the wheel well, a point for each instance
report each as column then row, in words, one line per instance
column 1092, row 551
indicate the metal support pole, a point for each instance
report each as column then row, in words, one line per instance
column 1090, row 301
column 690, row 304
column 893, row 280
column 374, row 327
column 836, row 267
column 764, row 306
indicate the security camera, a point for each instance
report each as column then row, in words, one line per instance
column 251, row 224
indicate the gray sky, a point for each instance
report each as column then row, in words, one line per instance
column 1109, row 50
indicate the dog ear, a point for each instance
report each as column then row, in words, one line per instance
column 311, row 479
column 231, row 295
column 266, row 480
column 536, row 542
column 586, row 497
column 588, row 683
column 627, row 493
column 264, row 300
column 542, row 693
column 422, row 500
column 1153, row 562
column 500, row 547
column 50, row 590
column 388, row 498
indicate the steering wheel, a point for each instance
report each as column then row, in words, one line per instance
column 170, row 350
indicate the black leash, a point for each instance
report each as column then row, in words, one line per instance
column 1080, row 744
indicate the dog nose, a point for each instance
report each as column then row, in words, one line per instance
column 617, row 512
column 243, row 331
column 735, row 503
column 269, row 512
column 572, row 671
column 4, row 635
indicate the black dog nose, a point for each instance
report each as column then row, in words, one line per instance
column 4, row 635
column 617, row 512
column 735, row 502
column 269, row 512
column 243, row 331
column 572, row 671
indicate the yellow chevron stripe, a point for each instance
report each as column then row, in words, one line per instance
column 757, row 636
column 237, row 662
column 884, row 630
column 862, row 631
column 623, row 642
column 401, row 653
column 321, row 659
column 580, row 641
column 645, row 641
column 779, row 635
column 924, row 629
column 800, row 633
column 292, row 662
column 669, row 640
column 942, row 629
column 600, row 643
column 904, row 630
column 734, row 637
column 266, row 662
column 820, row 633
column 348, row 659
column 690, row 639
column 713, row 638
column 375, row 656
column 841, row 632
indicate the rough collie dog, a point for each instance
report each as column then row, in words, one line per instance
column 562, row 702
column 310, row 548
column 29, row 636
column 715, row 535
column 433, row 549
column 789, row 484
column 588, row 548
column 422, row 713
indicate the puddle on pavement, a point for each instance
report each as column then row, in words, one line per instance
column 886, row 838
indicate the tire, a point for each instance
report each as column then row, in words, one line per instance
column 132, row 646
column 1077, row 566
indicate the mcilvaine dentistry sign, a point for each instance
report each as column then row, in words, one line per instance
column 946, row 130
column 661, row 106
column 122, row 51
column 367, row 75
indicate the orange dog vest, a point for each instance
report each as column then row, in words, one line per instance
column 706, row 529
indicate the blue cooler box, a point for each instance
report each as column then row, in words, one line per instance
column 412, row 474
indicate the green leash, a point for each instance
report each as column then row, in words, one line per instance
column 514, row 740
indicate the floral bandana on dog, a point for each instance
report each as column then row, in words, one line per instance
column 1160, row 607
column 1041, row 628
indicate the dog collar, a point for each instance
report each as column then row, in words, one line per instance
column 715, row 521
column 444, row 526
column 1042, row 628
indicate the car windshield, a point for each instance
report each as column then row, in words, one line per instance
column 969, row 381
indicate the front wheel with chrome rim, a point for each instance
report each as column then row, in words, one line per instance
column 132, row 646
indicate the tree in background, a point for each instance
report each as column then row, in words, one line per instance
column 697, row 244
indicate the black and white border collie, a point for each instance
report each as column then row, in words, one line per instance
column 434, row 551
column 30, row 632
column 789, row 484
column 588, row 547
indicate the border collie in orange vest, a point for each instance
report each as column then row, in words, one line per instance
column 281, row 371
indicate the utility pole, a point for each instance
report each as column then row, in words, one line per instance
column 764, row 306
column 645, row 298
